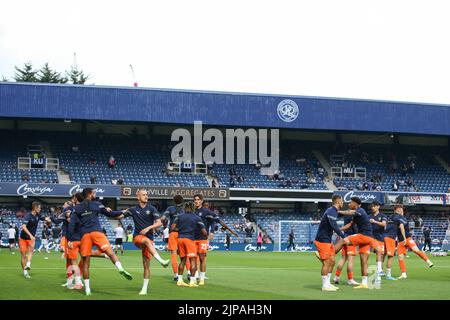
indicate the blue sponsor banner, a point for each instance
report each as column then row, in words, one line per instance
column 213, row 246
column 365, row 196
column 246, row 247
column 55, row 190
column 298, row 247
column 219, row 246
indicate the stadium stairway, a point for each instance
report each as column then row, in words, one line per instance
column 442, row 162
column 63, row 177
column 326, row 165
column 210, row 179
column 46, row 147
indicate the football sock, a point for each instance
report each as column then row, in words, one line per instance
column 402, row 265
column 118, row 266
column 173, row 257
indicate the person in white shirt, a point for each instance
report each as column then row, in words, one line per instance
column 119, row 232
column 11, row 238
column 166, row 235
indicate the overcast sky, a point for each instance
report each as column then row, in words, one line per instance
column 383, row 49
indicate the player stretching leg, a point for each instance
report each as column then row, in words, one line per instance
column 209, row 218
column 27, row 236
column 73, row 235
column 348, row 254
column 188, row 225
column 405, row 241
column 170, row 215
column 146, row 219
column 363, row 239
column 323, row 242
column 378, row 221
column 87, row 213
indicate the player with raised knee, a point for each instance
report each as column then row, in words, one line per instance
column 405, row 242
column 146, row 219
column 348, row 253
column 91, row 231
column 363, row 239
column 73, row 236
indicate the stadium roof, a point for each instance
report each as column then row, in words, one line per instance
column 56, row 101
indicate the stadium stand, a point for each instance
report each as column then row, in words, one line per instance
column 144, row 163
column 384, row 168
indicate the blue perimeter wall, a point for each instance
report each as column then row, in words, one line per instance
column 48, row 101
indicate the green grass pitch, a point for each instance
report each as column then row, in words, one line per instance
column 232, row 275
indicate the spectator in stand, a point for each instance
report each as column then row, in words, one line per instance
column 120, row 181
column 412, row 167
column 248, row 233
column 311, row 179
column 288, row 182
column 114, row 181
column 75, row 149
column 232, row 181
column 276, row 174
column 393, row 167
column 321, row 172
column 341, row 187
column 308, row 170
column 111, row 162
column 404, row 170
column 92, row 160
column 93, row 179
column 360, row 186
